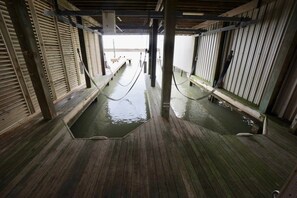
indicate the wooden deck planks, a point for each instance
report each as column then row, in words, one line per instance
column 160, row 158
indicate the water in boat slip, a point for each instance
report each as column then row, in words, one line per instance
column 116, row 118
column 218, row 116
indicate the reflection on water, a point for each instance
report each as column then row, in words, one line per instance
column 218, row 116
column 116, row 118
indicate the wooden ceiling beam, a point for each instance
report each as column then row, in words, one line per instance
column 236, row 11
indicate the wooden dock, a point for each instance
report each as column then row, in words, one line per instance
column 161, row 158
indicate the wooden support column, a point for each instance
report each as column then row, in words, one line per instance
column 294, row 125
column 21, row 21
column 221, row 50
column 281, row 62
column 102, row 55
column 169, row 35
column 83, row 51
column 195, row 58
column 150, row 51
column 154, row 52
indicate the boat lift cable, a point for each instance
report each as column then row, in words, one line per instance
column 226, row 66
column 188, row 97
column 93, row 81
column 183, row 82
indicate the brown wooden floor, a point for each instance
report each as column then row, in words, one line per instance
column 161, row 158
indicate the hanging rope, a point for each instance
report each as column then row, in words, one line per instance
column 93, row 81
column 190, row 98
column 226, row 66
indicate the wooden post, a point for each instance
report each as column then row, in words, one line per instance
column 281, row 63
column 154, row 52
column 169, row 35
column 102, row 55
column 294, row 125
column 83, row 51
column 195, row 58
column 150, row 51
column 24, row 31
column 221, row 50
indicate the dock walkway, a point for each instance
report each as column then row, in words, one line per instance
column 160, row 158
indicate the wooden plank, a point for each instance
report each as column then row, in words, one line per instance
column 21, row 21
column 98, row 186
column 90, row 176
column 165, row 180
column 144, row 174
column 152, row 175
column 110, row 173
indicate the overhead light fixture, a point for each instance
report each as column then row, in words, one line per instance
column 193, row 13
column 119, row 19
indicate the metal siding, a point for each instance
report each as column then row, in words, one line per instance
column 255, row 48
column 282, row 14
column 285, row 106
column 250, row 46
column 243, row 54
column 254, row 54
column 207, row 55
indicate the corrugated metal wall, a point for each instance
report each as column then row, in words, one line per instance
column 285, row 106
column 207, row 54
column 255, row 48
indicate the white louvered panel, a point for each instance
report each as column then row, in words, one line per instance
column 52, row 48
column 68, row 53
column 39, row 44
column 98, row 57
column 13, row 107
column 20, row 57
column 93, row 53
column 75, row 37
column 255, row 48
column 207, row 55
column 88, row 51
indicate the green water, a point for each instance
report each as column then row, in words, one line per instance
column 115, row 118
column 218, row 116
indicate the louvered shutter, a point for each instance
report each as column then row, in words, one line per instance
column 69, row 54
column 52, row 54
column 20, row 57
column 13, row 106
column 76, row 45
